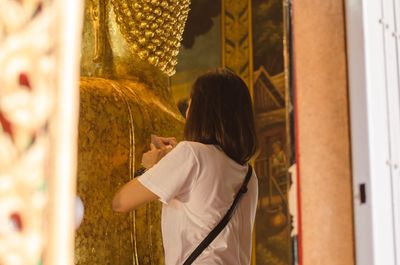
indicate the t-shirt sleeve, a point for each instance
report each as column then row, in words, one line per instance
column 174, row 175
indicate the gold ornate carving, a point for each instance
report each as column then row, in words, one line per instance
column 237, row 38
column 97, row 13
column 153, row 29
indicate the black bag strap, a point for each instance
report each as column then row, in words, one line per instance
column 221, row 225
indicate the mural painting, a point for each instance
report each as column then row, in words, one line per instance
column 274, row 222
column 200, row 50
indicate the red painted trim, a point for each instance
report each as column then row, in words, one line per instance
column 297, row 145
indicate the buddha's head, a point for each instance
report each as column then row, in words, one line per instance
column 131, row 38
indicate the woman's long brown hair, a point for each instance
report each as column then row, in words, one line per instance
column 221, row 113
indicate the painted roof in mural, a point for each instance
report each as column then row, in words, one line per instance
column 269, row 91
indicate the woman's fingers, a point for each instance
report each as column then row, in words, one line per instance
column 159, row 147
column 169, row 141
column 163, row 142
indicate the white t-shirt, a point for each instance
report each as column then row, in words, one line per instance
column 197, row 184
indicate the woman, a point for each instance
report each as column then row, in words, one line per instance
column 198, row 178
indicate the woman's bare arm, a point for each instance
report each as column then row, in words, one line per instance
column 132, row 195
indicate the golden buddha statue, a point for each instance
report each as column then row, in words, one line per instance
column 129, row 51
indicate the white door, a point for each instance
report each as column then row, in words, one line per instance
column 373, row 35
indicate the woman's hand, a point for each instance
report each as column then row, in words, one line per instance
column 152, row 157
column 163, row 142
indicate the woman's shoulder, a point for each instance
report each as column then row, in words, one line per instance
column 196, row 147
column 187, row 147
column 199, row 150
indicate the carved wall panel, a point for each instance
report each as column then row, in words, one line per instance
column 237, row 38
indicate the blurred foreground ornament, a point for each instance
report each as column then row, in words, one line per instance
column 33, row 66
